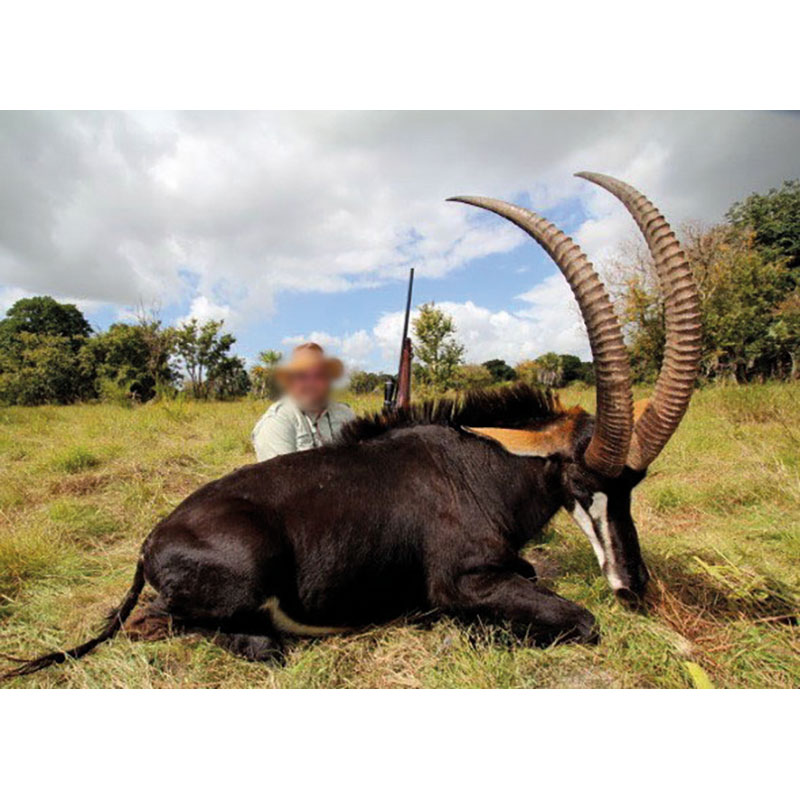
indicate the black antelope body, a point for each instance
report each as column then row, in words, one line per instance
column 427, row 508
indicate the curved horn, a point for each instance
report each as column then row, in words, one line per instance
column 682, row 311
column 608, row 448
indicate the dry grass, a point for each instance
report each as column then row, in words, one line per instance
column 719, row 518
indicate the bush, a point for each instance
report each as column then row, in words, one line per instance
column 501, row 371
column 365, row 382
column 472, row 376
column 37, row 368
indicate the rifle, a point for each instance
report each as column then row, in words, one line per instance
column 398, row 394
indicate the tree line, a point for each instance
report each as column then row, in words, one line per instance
column 747, row 268
column 50, row 354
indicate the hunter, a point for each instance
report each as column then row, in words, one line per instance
column 305, row 417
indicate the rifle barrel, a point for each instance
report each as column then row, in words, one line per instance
column 405, row 322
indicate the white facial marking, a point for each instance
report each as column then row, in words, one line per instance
column 596, row 520
column 585, row 524
column 598, row 511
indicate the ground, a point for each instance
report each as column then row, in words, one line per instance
column 719, row 520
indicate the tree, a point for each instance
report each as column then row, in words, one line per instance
column 203, row 351
column 263, row 380
column 228, row 378
column 554, row 371
column 774, row 218
column 571, row 368
column 740, row 290
column 550, row 370
column 366, row 382
column 527, row 371
column 161, row 344
column 44, row 315
column 500, row 370
column 41, row 368
column 632, row 279
column 39, row 342
column 128, row 361
column 472, row 376
column 741, row 294
column 437, row 351
column 785, row 332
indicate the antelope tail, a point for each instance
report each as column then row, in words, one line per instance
column 114, row 622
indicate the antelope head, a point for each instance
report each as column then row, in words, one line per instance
column 602, row 457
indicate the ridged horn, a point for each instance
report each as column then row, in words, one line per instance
column 611, row 439
column 683, row 347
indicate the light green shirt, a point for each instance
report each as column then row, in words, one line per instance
column 287, row 429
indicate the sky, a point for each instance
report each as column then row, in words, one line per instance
column 297, row 226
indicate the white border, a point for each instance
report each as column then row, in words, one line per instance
column 441, row 54
column 448, row 744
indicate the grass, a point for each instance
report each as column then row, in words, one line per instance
column 719, row 520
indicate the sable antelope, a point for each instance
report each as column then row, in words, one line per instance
column 427, row 508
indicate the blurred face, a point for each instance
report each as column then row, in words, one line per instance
column 310, row 388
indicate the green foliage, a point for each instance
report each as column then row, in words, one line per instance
column 263, row 379
column 500, row 370
column 210, row 370
column 45, row 316
column 554, row 371
column 550, row 370
column 38, row 368
column 774, row 218
column 436, row 349
column 472, row 376
column 39, row 342
column 228, row 378
column 366, row 382
column 785, row 334
column 751, row 323
column 128, row 361
column 740, row 290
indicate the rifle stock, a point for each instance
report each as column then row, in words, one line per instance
column 404, row 376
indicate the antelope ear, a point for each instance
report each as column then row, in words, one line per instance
column 527, row 443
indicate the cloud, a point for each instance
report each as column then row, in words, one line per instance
column 114, row 207
column 204, row 310
column 10, row 294
column 227, row 212
column 549, row 321
column 355, row 349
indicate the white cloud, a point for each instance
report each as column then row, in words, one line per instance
column 204, row 310
column 10, row 294
column 117, row 208
column 549, row 321
column 355, row 349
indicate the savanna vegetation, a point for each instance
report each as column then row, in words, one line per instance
column 719, row 520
